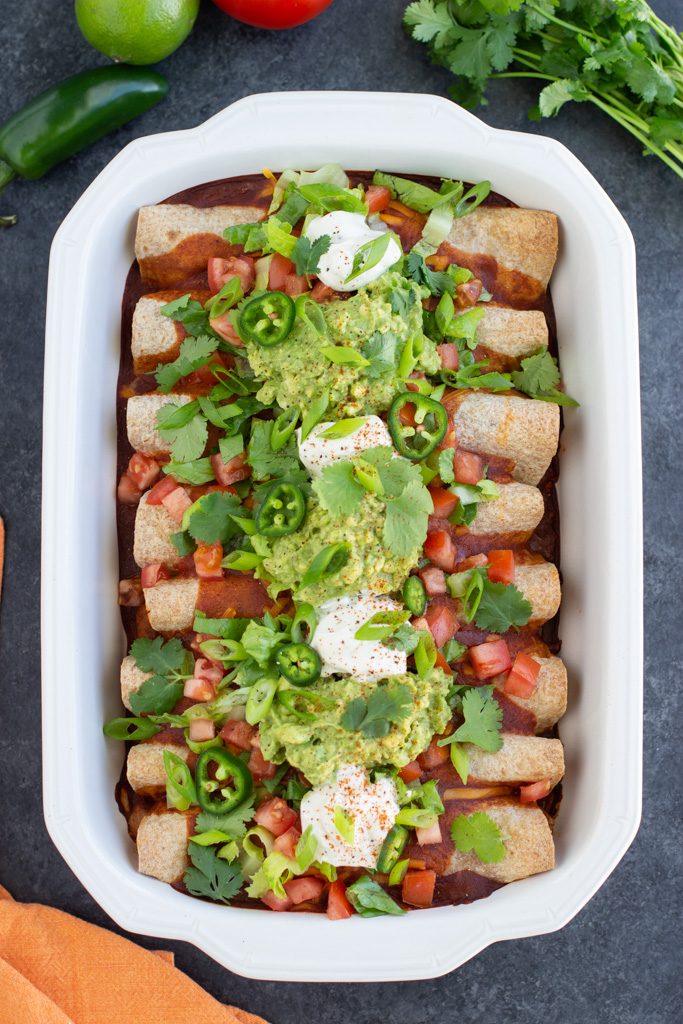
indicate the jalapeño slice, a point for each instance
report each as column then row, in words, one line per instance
column 414, row 596
column 299, row 663
column 266, row 319
column 416, row 435
column 282, row 511
column 222, row 781
column 392, row 848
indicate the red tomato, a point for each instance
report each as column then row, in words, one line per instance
column 410, row 772
column 238, row 734
column 501, row 566
column 429, row 836
column 472, row 562
column 153, row 574
column 433, row 756
column 300, row 890
column 223, row 325
column 444, row 502
column 161, row 490
column 208, row 671
column 443, row 664
column 275, row 903
column 378, row 198
column 467, row 467
column 418, row 888
column 207, row 561
column 440, row 549
column 534, row 791
column 449, row 355
column 521, row 682
column 177, row 503
column 202, row 729
column 322, row 292
column 295, row 284
column 276, row 816
column 490, row 659
column 442, row 623
column 338, row 906
column 220, row 271
column 143, row 470
column 128, row 492
column 280, row 269
column 434, row 580
column 199, row 689
column 259, row 767
column 273, row 13
column 286, row 843
column 230, row 472
column 467, row 294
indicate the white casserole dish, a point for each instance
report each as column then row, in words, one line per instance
column 594, row 291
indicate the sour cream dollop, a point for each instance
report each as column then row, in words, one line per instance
column 316, row 452
column 372, row 806
column 348, row 231
column 341, row 654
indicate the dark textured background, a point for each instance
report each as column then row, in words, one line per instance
column 619, row 961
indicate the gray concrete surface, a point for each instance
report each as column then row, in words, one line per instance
column 619, row 961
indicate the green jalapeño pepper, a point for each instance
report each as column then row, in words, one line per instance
column 282, row 511
column 266, row 319
column 222, row 781
column 392, row 848
column 71, row 115
column 300, row 663
column 416, row 436
column 414, row 595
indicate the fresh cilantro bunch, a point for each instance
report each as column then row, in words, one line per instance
column 616, row 54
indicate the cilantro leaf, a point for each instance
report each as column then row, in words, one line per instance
column 211, row 876
column 428, row 21
column 337, row 489
column 405, row 526
column 445, row 464
column 194, row 352
column 263, row 460
column 369, row 899
column 184, row 427
column 188, row 312
column 501, row 606
column 402, row 300
column 197, row 472
column 159, row 656
column 480, row 833
column 156, row 696
column 437, row 281
column 210, row 520
column 383, row 351
column 374, row 717
column 234, row 823
column 483, row 719
column 306, row 254
column 539, row 376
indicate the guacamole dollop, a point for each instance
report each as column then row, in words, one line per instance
column 371, row 565
column 378, row 321
column 320, row 747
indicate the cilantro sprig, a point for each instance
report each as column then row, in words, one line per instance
column 211, row 876
column 480, row 833
column 170, row 663
column 386, row 706
column 495, row 607
column 618, row 56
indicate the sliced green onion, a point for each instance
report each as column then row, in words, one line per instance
column 369, row 255
column 283, row 428
column 381, row 625
column 180, row 788
column 398, row 872
column 368, row 475
column 130, row 729
column 471, row 200
column 343, row 356
column 306, row 849
column 308, row 310
column 343, row 428
column 229, row 295
column 315, row 413
column 328, row 562
column 304, row 623
column 260, row 699
column 345, row 825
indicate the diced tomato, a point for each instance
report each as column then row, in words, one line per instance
column 300, row 890
column 128, row 492
column 130, row 594
column 522, row 680
column 338, row 906
column 276, row 816
column 434, row 580
column 280, row 269
column 490, row 659
column 153, row 574
column 161, row 490
column 429, row 836
column 202, row 729
column 472, row 562
column 209, row 670
column 449, row 439
column 378, row 198
column 442, row 623
column 231, row 471
column 223, row 325
column 467, row 294
column 410, row 772
column 286, row 843
column 220, row 271
column 534, row 791
column 433, row 756
column 418, row 888
column 177, row 503
column 259, row 767
column 440, row 549
column 449, row 355
column 295, row 284
column 419, row 623
column 275, row 903
column 467, row 467
column 406, row 415
column 322, row 292
column 199, row 689
column 443, row 664
column 207, row 561
column 444, row 502
column 143, row 470
column 501, row 566
column 238, row 733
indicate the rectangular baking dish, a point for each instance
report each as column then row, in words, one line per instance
column 594, row 291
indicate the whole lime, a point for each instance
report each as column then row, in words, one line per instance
column 136, row 31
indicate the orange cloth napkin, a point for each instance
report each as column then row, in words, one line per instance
column 55, row 969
